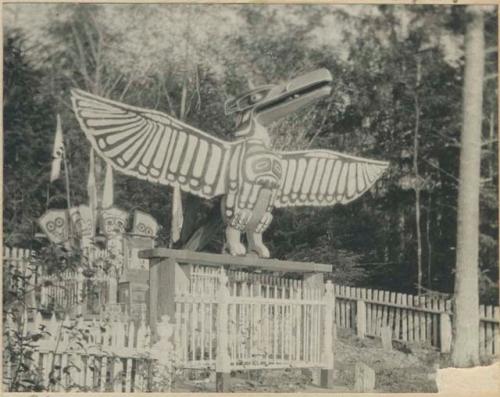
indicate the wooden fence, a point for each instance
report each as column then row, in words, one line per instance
column 423, row 319
column 62, row 290
column 272, row 322
column 81, row 356
column 225, row 319
column 18, row 270
column 72, row 288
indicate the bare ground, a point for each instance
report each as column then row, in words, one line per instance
column 406, row 368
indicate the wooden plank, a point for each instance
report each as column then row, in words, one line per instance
column 364, row 378
column 342, row 313
column 385, row 308
column 138, row 382
column 404, row 319
column 416, row 319
column 360, row 319
column 380, row 311
column 482, row 332
column 445, row 332
column 488, row 311
column 275, row 328
column 348, row 309
column 392, row 310
column 88, row 379
column 104, row 371
column 496, row 332
column 397, row 317
column 411, row 329
column 300, row 323
column 435, row 324
column 369, row 311
column 423, row 326
column 337, row 311
column 128, row 376
column 46, row 361
column 209, row 259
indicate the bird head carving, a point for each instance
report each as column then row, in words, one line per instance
column 268, row 103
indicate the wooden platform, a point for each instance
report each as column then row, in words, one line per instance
column 247, row 262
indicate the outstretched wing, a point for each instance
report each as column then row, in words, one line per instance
column 153, row 146
column 324, row 177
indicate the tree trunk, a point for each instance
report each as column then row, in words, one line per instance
column 417, row 179
column 429, row 244
column 465, row 351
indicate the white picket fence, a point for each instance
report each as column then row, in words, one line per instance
column 424, row 319
column 62, row 290
column 83, row 356
column 264, row 321
column 228, row 320
column 72, row 288
column 18, row 270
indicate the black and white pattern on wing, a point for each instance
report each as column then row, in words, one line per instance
column 323, row 178
column 153, row 146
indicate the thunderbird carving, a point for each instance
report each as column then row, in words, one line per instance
column 251, row 177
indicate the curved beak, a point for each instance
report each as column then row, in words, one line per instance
column 299, row 92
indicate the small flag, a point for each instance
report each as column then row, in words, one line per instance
column 57, row 152
column 92, row 191
column 107, row 194
column 177, row 216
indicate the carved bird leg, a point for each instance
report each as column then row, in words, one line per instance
column 256, row 245
column 254, row 238
column 233, row 239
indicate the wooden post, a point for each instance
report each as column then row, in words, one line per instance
column 222, row 364
column 327, row 358
column 312, row 281
column 166, row 277
column 113, row 287
column 445, row 332
column 364, row 378
column 386, row 336
column 361, row 318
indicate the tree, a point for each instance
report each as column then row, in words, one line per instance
column 466, row 346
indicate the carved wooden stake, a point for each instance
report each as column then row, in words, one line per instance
column 222, row 364
column 361, row 319
column 327, row 357
column 445, row 332
column 364, row 378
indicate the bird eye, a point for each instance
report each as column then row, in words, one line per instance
column 256, row 97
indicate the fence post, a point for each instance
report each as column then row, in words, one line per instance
column 222, row 364
column 313, row 281
column 445, row 332
column 166, row 279
column 80, row 291
column 113, row 287
column 326, row 376
column 361, row 318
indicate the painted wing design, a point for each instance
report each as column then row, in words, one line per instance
column 153, row 146
column 324, row 177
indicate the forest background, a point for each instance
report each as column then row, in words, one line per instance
column 397, row 96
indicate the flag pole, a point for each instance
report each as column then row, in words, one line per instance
column 68, row 198
column 66, row 175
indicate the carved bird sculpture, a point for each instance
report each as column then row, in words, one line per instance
column 247, row 172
